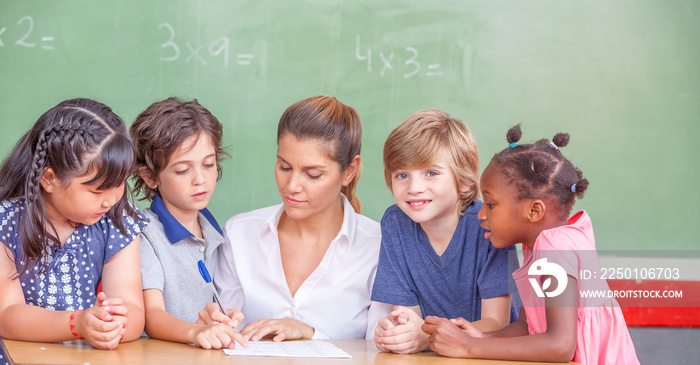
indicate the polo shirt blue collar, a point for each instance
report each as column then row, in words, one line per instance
column 174, row 230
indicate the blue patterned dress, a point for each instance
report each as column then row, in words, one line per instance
column 74, row 270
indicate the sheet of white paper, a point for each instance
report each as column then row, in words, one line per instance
column 289, row 349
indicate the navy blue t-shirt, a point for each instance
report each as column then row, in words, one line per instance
column 450, row 285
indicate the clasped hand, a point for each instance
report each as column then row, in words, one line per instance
column 401, row 332
column 104, row 324
column 450, row 337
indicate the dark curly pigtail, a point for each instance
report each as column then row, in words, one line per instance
column 513, row 136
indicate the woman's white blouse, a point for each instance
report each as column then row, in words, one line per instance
column 334, row 299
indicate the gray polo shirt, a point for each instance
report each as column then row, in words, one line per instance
column 169, row 256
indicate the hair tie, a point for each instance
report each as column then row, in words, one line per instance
column 551, row 144
column 511, row 145
column 573, row 188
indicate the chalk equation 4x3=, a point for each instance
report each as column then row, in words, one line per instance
column 411, row 65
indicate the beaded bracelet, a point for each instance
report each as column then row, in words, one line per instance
column 72, row 325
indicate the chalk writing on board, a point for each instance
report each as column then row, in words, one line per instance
column 410, row 66
column 26, row 39
column 199, row 53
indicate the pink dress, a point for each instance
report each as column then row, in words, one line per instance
column 602, row 335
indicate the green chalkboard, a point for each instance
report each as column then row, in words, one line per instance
column 623, row 77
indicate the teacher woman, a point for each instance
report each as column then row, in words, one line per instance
column 305, row 268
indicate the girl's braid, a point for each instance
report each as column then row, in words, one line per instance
column 64, row 134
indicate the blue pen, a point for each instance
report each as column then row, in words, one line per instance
column 205, row 275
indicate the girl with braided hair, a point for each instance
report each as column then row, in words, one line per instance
column 529, row 191
column 66, row 224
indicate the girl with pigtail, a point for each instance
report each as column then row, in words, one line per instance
column 529, row 191
column 66, row 224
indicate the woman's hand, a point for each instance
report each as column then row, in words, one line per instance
column 282, row 329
